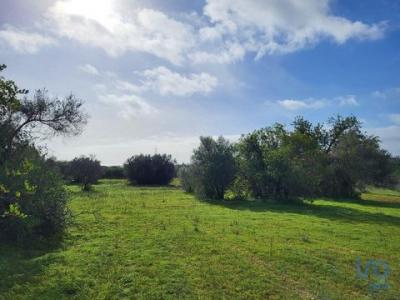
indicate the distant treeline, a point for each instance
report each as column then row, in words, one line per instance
column 338, row 160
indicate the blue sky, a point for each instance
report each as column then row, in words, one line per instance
column 155, row 75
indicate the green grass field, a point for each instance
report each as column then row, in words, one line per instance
column 160, row 243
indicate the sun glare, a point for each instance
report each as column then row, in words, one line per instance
column 98, row 10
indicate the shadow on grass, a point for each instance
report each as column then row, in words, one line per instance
column 20, row 266
column 153, row 186
column 370, row 201
column 330, row 212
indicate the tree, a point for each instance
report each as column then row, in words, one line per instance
column 33, row 201
column 85, row 171
column 19, row 118
column 355, row 161
column 213, row 167
column 311, row 160
column 32, row 196
column 150, row 170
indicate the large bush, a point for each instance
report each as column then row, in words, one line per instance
column 85, row 171
column 150, row 170
column 32, row 198
column 212, row 168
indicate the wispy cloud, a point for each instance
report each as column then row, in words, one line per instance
column 166, row 82
column 387, row 93
column 23, row 41
column 87, row 68
column 348, row 100
column 395, row 118
column 291, row 104
column 160, row 80
column 129, row 105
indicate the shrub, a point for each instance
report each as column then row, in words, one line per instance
column 113, row 172
column 150, row 170
column 85, row 171
column 33, row 199
column 212, row 167
column 62, row 167
column 185, row 174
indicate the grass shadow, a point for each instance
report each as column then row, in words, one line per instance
column 370, row 200
column 20, row 266
column 153, row 186
column 330, row 212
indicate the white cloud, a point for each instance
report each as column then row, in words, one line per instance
column 390, row 137
column 228, row 53
column 129, row 105
column 349, row 100
column 24, row 42
column 97, row 23
column 395, row 118
column 284, row 26
column 160, row 80
column 225, row 32
column 127, row 86
column 92, row 70
column 379, row 94
column 393, row 92
column 167, row 82
column 291, row 104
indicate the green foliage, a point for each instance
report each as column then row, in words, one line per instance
column 20, row 117
column 85, row 171
column 158, row 169
column 32, row 199
column 62, row 167
column 306, row 162
column 212, row 168
column 186, row 177
column 276, row 163
column 113, row 172
column 312, row 160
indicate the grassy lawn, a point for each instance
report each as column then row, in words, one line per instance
column 160, row 243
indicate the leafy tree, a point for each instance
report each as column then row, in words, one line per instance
column 85, row 171
column 19, row 118
column 311, row 160
column 265, row 165
column 62, row 167
column 32, row 197
column 355, row 161
column 150, row 170
column 213, row 167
